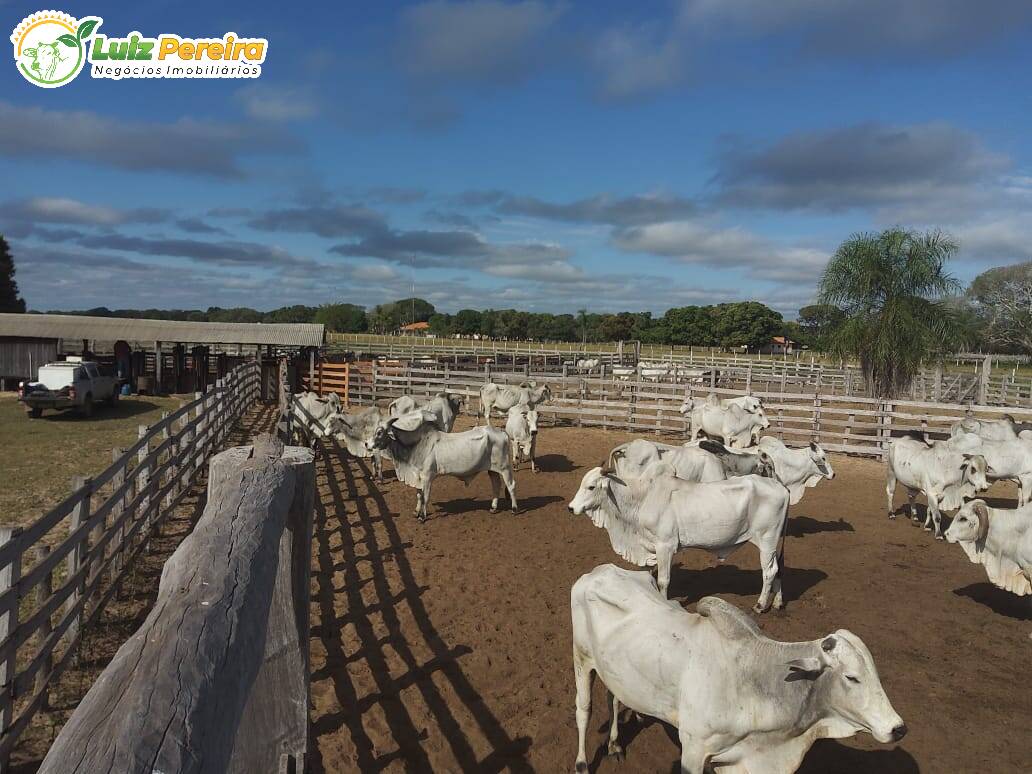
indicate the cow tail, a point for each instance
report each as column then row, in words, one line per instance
column 781, row 543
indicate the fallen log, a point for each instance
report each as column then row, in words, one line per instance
column 216, row 678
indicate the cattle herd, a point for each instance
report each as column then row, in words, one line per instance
column 740, row 701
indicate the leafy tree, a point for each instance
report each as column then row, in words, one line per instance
column 818, row 322
column 10, row 301
column 745, row 324
column 688, row 325
column 299, row 313
column 342, row 318
column 617, row 327
column 467, row 322
column 1002, row 299
column 891, row 287
column 441, row 324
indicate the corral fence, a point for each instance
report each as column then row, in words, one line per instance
column 962, row 379
column 851, row 424
column 57, row 574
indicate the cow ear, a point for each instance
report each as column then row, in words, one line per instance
column 804, row 668
column 813, row 446
column 409, row 421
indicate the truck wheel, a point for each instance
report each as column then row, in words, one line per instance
column 113, row 400
column 87, row 406
column 35, row 413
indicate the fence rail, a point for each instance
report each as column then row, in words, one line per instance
column 57, row 573
column 851, row 424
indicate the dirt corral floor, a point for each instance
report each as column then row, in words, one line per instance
column 445, row 646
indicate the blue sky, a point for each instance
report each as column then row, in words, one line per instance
column 541, row 155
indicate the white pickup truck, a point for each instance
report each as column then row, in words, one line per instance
column 73, row 383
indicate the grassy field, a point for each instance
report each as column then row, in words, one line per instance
column 40, row 456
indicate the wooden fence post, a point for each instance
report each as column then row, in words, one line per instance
column 43, row 592
column 116, row 511
column 143, row 480
column 9, row 577
column 80, row 515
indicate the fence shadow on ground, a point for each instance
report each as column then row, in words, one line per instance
column 692, row 585
column 355, row 532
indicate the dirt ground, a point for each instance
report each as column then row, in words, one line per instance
column 445, row 646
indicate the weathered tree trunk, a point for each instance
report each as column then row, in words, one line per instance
column 216, row 679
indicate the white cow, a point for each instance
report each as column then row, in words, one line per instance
column 998, row 538
column 629, row 460
column 737, row 425
column 747, row 462
column 1009, row 460
column 588, row 364
column 650, row 518
column 504, row 396
column 740, row 701
column 945, row 476
column 444, row 405
column 312, row 412
column 354, row 431
column 797, row 469
column 521, row 427
column 421, row 452
column 1005, row 429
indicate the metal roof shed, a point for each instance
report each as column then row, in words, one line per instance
column 71, row 326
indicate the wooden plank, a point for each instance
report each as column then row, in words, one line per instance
column 193, row 694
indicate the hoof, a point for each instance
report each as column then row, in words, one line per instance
column 779, row 604
column 515, row 511
column 940, row 537
column 616, row 751
column 927, row 529
column 581, row 767
column 493, row 509
column 892, row 515
column 758, row 609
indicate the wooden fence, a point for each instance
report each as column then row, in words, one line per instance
column 88, row 542
column 851, row 424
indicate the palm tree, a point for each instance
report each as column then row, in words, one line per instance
column 582, row 315
column 892, row 287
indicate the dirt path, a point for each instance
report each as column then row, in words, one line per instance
column 446, row 646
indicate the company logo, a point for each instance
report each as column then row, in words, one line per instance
column 51, row 48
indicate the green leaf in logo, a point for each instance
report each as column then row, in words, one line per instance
column 86, row 28
column 68, row 40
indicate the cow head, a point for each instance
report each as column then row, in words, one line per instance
column 455, row 401
column 687, row 406
column 532, row 420
column 595, row 486
column 820, row 461
column 544, row 394
column 851, row 688
column 975, row 472
column 971, row 524
column 403, row 430
column 752, row 404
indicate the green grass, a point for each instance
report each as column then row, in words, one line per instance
column 41, row 456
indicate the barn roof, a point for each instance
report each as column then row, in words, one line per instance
column 71, row 326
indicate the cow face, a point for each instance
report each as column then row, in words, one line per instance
column 971, row 523
column 853, row 689
column 752, row 404
column 381, row 438
column 687, row 406
column 975, row 469
column 820, row 461
column 593, row 490
column 45, row 59
column 532, row 420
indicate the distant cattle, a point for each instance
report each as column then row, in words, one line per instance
column 945, row 476
column 502, row 397
column 311, row 413
column 692, row 464
column 1005, row 429
column 798, row 469
column 739, row 700
column 588, row 364
column 522, row 429
column 446, row 406
column 421, row 452
column 354, row 431
column 738, row 424
column 651, row 517
column 1009, row 459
